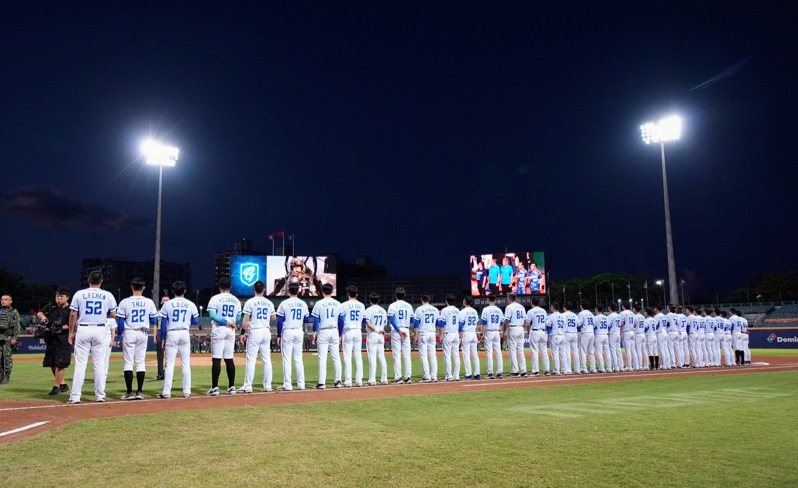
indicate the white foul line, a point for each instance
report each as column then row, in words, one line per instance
column 22, row 429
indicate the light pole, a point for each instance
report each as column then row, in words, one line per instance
column 664, row 298
column 158, row 154
column 667, row 129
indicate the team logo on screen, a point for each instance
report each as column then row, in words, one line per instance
column 772, row 337
column 250, row 273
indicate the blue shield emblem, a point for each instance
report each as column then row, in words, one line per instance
column 249, row 273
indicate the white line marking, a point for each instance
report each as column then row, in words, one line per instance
column 22, row 429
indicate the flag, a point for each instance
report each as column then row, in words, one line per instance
column 645, row 285
column 291, row 237
column 271, row 237
column 280, row 233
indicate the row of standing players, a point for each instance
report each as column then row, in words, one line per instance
column 656, row 340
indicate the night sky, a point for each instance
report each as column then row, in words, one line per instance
column 417, row 133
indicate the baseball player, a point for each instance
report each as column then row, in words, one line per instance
column 571, row 338
column 727, row 339
column 683, row 337
column 674, row 348
column 602, row 340
column 376, row 320
column 352, row 317
column 425, row 320
column 701, row 339
column 614, row 321
column 491, row 319
column 628, row 332
column 134, row 316
column 521, row 278
column 650, row 330
column 327, row 336
column 692, row 338
column 177, row 317
column 586, row 325
column 515, row 331
column 468, row 324
column 555, row 326
column 400, row 314
column 256, row 335
column 736, row 336
column 536, row 322
column 225, row 312
column 661, row 324
column 291, row 317
column 640, row 339
column 112, row 340
column 709, row 338
column 450, row 339
column 89, row 311
column 744, row 339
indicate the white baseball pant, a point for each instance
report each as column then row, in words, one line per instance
column 602, row 342
column 651, row 346
column 572, row 350
column 134, row 349
column 559, row 351
column 641, row 353
column 746, row 350
column 674, row 349
column 470, row 353
column 587, row 349
column 223, row 340
column 400, row 350
column 353, row 346
column 515, row 342
column 615, row 351
column 327, row 342
column 109, row 332
column 632, row 361
column 291, row 349
column 451, row 355
column 177, row 341
column 375, row 348
column 426, row 351
column 538, row 347
column 90, row 339
column 258, row 343
column 493, row 347
column 665, row 361
column 712, row 349
column 727, row 349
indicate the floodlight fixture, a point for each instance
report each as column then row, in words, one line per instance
column 159, row 154
column 667, row 129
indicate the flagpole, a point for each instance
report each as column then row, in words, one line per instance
column 272, row 236
column 283, row 233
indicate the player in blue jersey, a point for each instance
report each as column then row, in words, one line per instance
column 535, row 279
column 520, row 287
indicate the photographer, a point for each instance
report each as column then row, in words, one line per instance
column 55, row 331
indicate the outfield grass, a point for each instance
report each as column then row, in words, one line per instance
column 31, row 382
column 727, row 430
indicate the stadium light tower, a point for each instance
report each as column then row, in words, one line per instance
column 666, row 130
column 158, row 154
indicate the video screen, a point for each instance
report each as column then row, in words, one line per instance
column 522, row 273
column 244, row 272
column 310, row 272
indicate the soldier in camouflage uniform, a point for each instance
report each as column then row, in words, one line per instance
column 9, row 330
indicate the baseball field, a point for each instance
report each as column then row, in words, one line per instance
column 714, row 427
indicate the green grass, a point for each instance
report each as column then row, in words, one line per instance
column 31, row 382
column 726, row 430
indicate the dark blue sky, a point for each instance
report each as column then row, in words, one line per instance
column 414, row 132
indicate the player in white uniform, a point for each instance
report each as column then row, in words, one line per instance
column 225, row 312
column 327, row 335
column 538, row 338
column 683, row 338
column 113, row 340
column 291, row 317
column 514, row 330
column 602, row 340
column 468, row 324
column 376, row 320
column 709, row 336
column 641, row 352
column 352, row 318
column 661, row 326
column 491, row 320
column 89, row 310
column 727, row 339
column 692, row 338
column 650, row 330
column 177, row 317
column 744, row 339
column 615, row 338
column 674, row 348
column 555, row 326
column 628, row 332
column 256, row 334
column 571, row 338
column 400, row 313
column 701, row 338
column 425, row 320
column 586, row 325
column 736, row 336
column 134, row 316
column 450, row 339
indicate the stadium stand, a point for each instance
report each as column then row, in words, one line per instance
column 782, row 316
